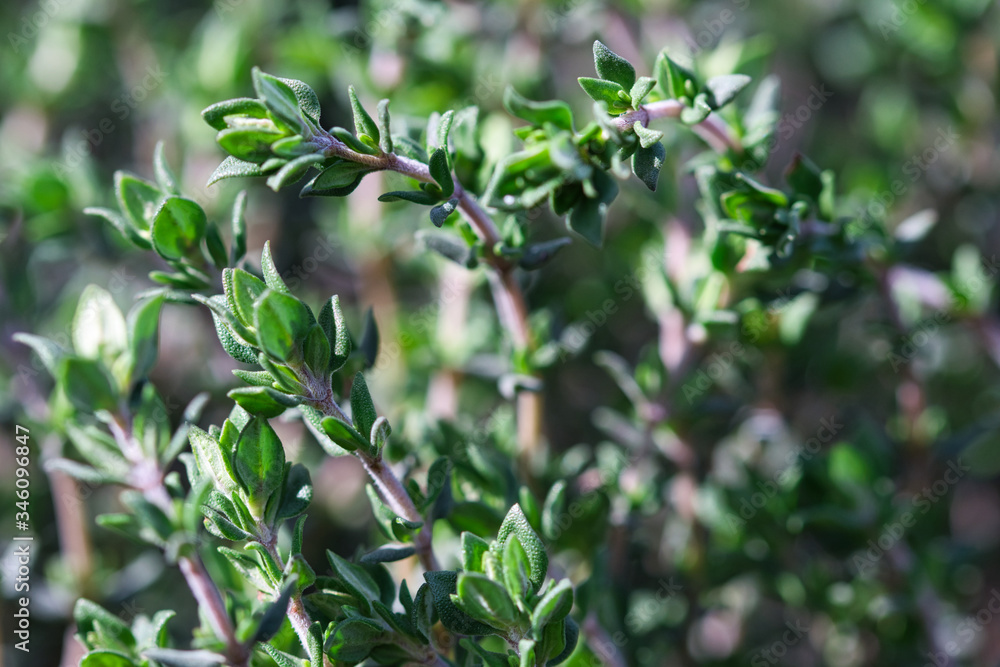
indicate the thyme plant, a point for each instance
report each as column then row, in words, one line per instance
column 494, row 598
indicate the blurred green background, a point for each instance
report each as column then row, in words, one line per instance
column 90, row 86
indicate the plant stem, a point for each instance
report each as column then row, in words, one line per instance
column 389, row 487
column 396, row 497
column 297, row 614
column 147, row 477
column 715, row 131
column 508, row 296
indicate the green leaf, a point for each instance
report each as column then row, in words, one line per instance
column 362, row 407
column 143, row 327
column 87, row 384
column 555, row 112
column 280, row 100
column 282, row 324
column 48, row 352
column 233, row 167
column 388, row 553
column 178, row 227
column 647, row 137
column 247, row 145
column 77, row 470
column 441, row 213
column 416, row 196
column 723, row 89
column 173, row 658
column 239, row 228
column 297, row 494
column 356, row 580
column 242, row 291
column 274, row 615
column 215, row 115
column 515, row 523
column 220, row 525
column 354, row 143
column 441, row 172
column 642, row 87
column 673, row 78
column 106, row 659
column 138, row 199
column 484, row 600
column 612, row 66
column 294, row 170
column 442, row 584
column 553, row 607
column 259, row 462
column 381, row 430
column 606, row 91
column 587, row 217
column 232, row 344
column 282, row 659
column 772, row 195
column 337, row 180
column 306, row 97
column 571, row 634
column 353, row 639
column 363, row 123
column 124, row 226
column 316, row 352
column 385, row 140
column 515, row 570
column 271, row 276
column 263, row 401
column 345, row 435
column 212, row 460
column 647, row 162
column 473, row 548
column 164, row 175
column 331, row 318
column 698, row 112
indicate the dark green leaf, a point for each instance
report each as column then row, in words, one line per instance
column 612, row 66
column 537, row 255
column 274, row 616
column 297, row 494
column 415, row 196
column 449, row 246
column 389, row 553
column 294, row 171
column 362, row 407
column 442, row 585
column 646, row 163
column 259, row 462
column 673, row 78
column 484, row 600
column 263, row 401
column 338, row 180
column 353, row 639
column 282, row 324
column 554, row 606
column 441, row 172
column 345, row 435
